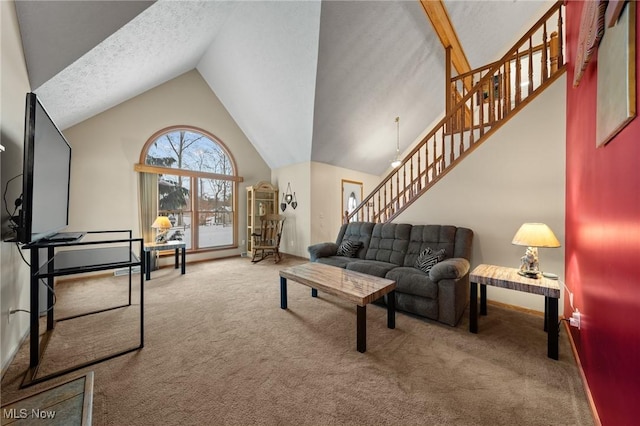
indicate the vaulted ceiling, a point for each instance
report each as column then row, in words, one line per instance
column 304, row 80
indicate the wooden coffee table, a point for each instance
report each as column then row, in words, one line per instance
column 349, row 285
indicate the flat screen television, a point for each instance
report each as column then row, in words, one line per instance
column 45, row 176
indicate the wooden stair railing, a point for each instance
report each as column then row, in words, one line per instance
column 493, row 99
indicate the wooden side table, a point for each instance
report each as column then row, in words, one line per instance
column 178, row 246
column 499, row 276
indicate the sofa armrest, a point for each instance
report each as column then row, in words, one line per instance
column 322, row 250
column 449, row 269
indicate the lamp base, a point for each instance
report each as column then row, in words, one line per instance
column 530, row 274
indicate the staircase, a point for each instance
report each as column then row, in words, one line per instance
column 478, row 103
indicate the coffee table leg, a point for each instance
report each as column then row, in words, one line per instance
column 483, row 299
column 314, row 292
column 391, row 309
column 473, row 308
column 283, row 293
column 361, row 329
column 184, row 261
column 176, row 256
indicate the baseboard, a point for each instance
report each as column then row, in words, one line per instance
column 592, row 405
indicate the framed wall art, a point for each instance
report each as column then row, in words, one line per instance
column 616, row 101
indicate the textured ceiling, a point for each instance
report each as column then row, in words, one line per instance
column 304, row 80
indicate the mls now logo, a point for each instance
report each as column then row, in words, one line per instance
column 23, row 413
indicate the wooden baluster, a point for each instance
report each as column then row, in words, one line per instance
column 530, row 85
column 553, row 52
column 518, row 80
column 451, row 136
column 442, row 156
column 492, row 98
column 398, row 184
column 543, row 59
column 434, row 156
column 507, row 95
column 480, row 101
column 560, row 43
column 386, row 203
column 472, row 119
column 462, row 130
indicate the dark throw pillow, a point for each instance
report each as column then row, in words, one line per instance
column 428, row 258
column 349, row 248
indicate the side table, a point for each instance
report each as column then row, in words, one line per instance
column 177, row 246
column 499, row 276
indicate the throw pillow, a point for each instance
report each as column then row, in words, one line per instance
column 349, row 248
column 428, row 258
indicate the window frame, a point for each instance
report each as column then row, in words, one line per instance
column 193, row 175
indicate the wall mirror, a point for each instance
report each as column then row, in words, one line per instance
column 351, row 197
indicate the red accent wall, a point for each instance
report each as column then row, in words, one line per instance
column 603, row 243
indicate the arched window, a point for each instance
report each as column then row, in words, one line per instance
column 194, row 182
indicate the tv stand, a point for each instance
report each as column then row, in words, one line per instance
column 114, row 252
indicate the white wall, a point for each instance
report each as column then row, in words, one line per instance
column 295, row 236
column 14, row 273
column 326, row 203
column 104, row 188
column 517, row 176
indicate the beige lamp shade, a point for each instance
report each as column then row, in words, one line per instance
column 535, row 235
column 161, row 222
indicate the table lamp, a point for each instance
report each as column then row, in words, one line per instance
column 533, row 235
column 162, row 225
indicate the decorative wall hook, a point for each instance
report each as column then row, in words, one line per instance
column 288, row 197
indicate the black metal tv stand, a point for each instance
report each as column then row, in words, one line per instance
column 114, row 252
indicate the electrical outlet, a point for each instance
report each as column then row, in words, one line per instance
column 242, row 242
column 574, row 321
column 291, row 243
column 9, row 315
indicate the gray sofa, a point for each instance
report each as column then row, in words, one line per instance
column 390, row 250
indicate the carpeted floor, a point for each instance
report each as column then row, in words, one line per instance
column 219, row 350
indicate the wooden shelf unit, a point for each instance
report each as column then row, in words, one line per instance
column 262, row 198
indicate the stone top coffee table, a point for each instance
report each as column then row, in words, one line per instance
column 349, row 285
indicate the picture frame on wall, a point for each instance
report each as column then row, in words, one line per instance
column 616, row 100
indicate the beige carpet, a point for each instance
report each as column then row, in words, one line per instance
column 219, row 350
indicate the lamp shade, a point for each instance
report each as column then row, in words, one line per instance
column 535, row 235
column 161, row 222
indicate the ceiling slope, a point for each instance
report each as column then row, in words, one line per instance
column 56, row 33
column 377, row 61
column 263, row 69
column 305, row 80
column 165, row 41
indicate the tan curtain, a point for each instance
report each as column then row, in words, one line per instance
column 148, row 196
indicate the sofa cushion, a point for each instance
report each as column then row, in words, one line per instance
column 413, row 281
column 389, row 243
column 356, row 231
column 348, row 248
column 436, row 237
column 371, row 267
